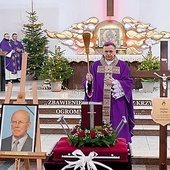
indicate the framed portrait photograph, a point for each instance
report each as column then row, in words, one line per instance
column 18, row 127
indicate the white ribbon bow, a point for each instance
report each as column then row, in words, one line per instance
column 83, row 160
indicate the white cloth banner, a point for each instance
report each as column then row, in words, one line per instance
column 83, row 160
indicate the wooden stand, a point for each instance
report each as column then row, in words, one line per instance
column 38, row 155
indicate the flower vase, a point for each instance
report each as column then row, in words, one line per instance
column 56, row 86
column 148, row 87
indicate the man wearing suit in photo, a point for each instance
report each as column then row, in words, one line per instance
column 20, row 139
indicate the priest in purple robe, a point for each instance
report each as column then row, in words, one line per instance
column 117, row 81
column 10, row 59
column 19, row 49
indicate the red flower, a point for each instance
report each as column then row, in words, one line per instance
column 74, row 131
column 93, row 134
column 76, row 127
column 81, row 134
column 104, row 132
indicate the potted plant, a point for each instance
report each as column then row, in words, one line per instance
column 150, row 63
column 56, row 68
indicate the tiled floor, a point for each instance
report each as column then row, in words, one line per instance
column 144, row 146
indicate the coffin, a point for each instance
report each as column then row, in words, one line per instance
column 116, row 157
column 120, row 151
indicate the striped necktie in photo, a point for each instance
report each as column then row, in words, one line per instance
column 15, row 147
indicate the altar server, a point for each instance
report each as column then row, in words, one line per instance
column 19, row 49
column 10, row 59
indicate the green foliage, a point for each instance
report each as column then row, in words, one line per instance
column 149, row 63
column 35, row 44
column 103, row 136
column 56, row 67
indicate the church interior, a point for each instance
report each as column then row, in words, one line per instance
column 138, row 29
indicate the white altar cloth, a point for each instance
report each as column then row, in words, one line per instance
column 80, row 58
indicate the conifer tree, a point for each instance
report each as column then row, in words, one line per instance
column 35, row 44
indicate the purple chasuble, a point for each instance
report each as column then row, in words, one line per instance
column 15, row 46
column 10, row 62
column 119, row 107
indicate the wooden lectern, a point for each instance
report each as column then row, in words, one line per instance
column 2, row 70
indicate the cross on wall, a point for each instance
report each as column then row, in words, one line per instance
column 110, row 7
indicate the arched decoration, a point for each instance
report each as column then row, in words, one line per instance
column 131, row 36
column 109, row 30
column 73, row 36
column 140, row 36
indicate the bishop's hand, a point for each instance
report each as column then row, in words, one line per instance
column 89, row 77
column 109, row 81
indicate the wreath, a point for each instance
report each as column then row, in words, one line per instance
column 98, row 136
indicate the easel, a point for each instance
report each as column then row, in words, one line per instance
column 38, row 155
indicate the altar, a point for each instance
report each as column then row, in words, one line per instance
column 79, row 64
column 116, row 157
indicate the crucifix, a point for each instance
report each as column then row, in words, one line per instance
column 164, row 75
column 108, row 71
column 92, row 112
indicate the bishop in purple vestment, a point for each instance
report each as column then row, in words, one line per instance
column 121, row 102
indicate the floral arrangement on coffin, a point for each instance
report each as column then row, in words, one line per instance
column 98, row 136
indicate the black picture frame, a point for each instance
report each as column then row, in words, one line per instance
column 25, row 120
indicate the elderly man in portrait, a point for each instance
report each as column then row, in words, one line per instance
column 20, row 139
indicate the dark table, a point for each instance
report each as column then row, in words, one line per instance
column 2, row 73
